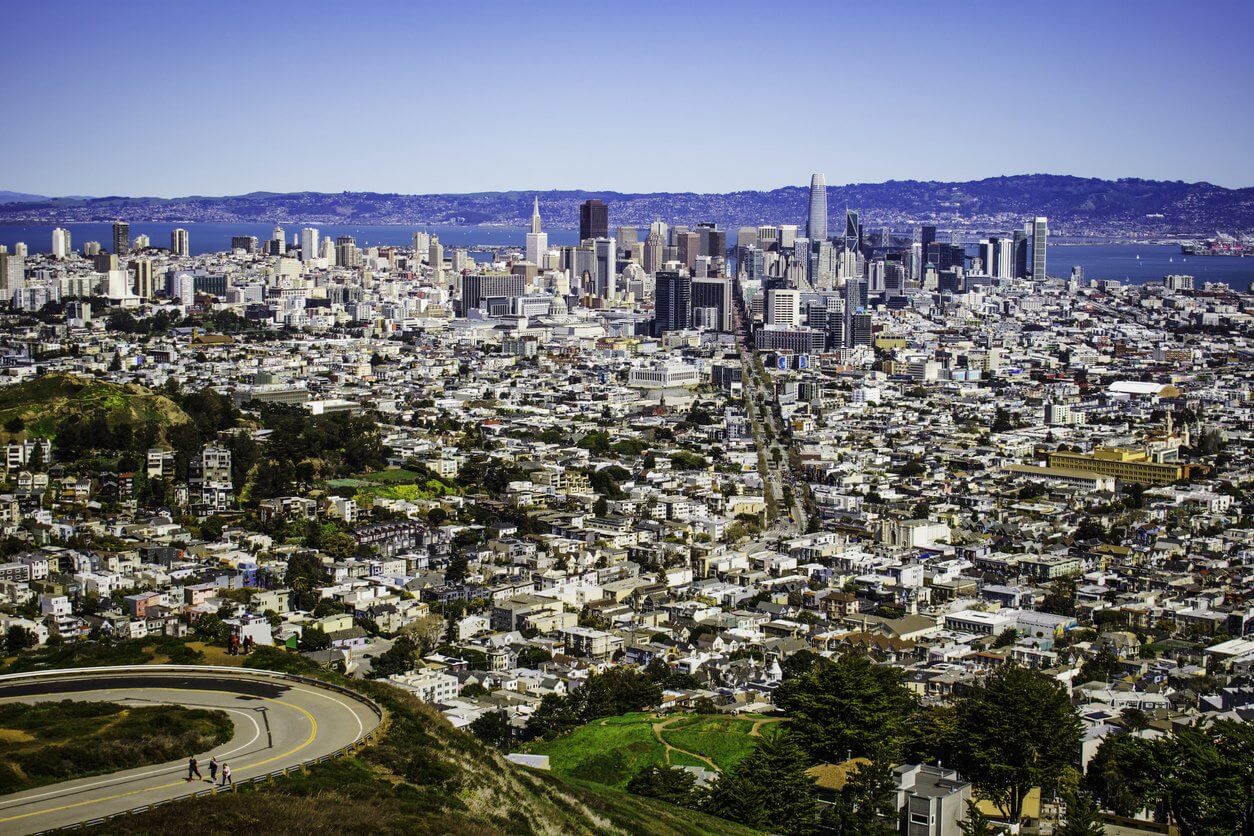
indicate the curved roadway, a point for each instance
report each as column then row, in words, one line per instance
column 280, row 723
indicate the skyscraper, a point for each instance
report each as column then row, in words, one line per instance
column 606, row 261
column 672, row 301
column 816, row 227
column 179, row 244
column 308, row 244
column 1040, row 239
column 853, row 231
column 927, row 238
column 278, row 242
column 61, row 246
column 121, row 238
column 537, row 241
column 144, row 286
column 714, row 293
column 653, row 247
column 594, row 220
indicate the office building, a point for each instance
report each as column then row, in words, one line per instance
column 605, row 259
column 927, row 237
column 783, row 307
column 853, row 231
column 179, row 244
column 346, row 252
column 1039, row 230
column 594, row 220
column 121, row 238
column 308, row 244
column 278, row 241
column 714, row 293
column 689, row 244
column 654, row 245
column 247, row 243
column 61, row 246
column 816, row 224
column 476, row 287
column 144, row 286
column 537, row 240
column 672, row 301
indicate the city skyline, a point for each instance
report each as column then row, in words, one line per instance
column 1083, row 91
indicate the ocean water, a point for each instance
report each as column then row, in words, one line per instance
column 1132, row 263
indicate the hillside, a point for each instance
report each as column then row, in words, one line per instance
column 611, row 751
column 424, row 776
column 44, row 405
column 1072, row 203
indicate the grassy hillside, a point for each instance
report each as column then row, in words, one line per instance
column 613, row 750
column 49, row 742
column 423, row 776
column 45, row 403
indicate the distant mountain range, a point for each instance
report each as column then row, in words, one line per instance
column 1074, row 205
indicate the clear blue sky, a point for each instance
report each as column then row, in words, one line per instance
column 176, row 98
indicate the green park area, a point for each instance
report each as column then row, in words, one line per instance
column 48, row 742
column 612, row 750
column 394, row 483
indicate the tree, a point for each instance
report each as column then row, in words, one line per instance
column 846, row 707
column 1014, row 732
column 1081, row 817
column 866, row 805
column 399, row 658
column 769, row 789
column 670, row 784
column 532, row 657
column 976, row 823
column 425, row 632
column 314, row 638
column 1102, row 667
column 18, row 638
column 492, row 727
column 14, row 425
column 1203, row 776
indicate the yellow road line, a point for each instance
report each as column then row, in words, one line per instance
column 313, row 733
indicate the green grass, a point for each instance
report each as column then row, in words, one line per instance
column 613, row 750
column 48, row 742
column 395, row 483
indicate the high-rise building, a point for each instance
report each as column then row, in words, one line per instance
column 435, row 258
column 927, row 238
column 689, row 244
column 672, row 301
column 1022, row 253
column 853, row 231
column 247, row 243
column 144, row 286
column 537, row 240
column 179, row 244
column 12, row 275
column 346, row 252
column 816, row 225
column 121, row 238
column 1039, row 230
column 714, row 293
column 606, row 261
column 479, row 286
column 91, row 249
column 308, row 244
column 594, row 220
column 61, row 246
column 278, row 241
column 654, row 245
column 1005, row 265
column 783, row 307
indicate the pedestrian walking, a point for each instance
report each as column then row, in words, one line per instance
column 193, row 768
column 226, row 775
column 213, row 770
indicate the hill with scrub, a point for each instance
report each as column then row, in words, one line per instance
column 44, row 407
column 422, row 776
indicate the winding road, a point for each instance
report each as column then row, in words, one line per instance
column 281, row 722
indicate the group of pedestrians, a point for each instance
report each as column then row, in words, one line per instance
column 193, row 771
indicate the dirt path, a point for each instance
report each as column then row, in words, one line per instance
column 657, row 733
column 756, row 731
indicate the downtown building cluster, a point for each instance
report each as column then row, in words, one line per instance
column 707, row 449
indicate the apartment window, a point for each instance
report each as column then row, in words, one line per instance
column 920, row 818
